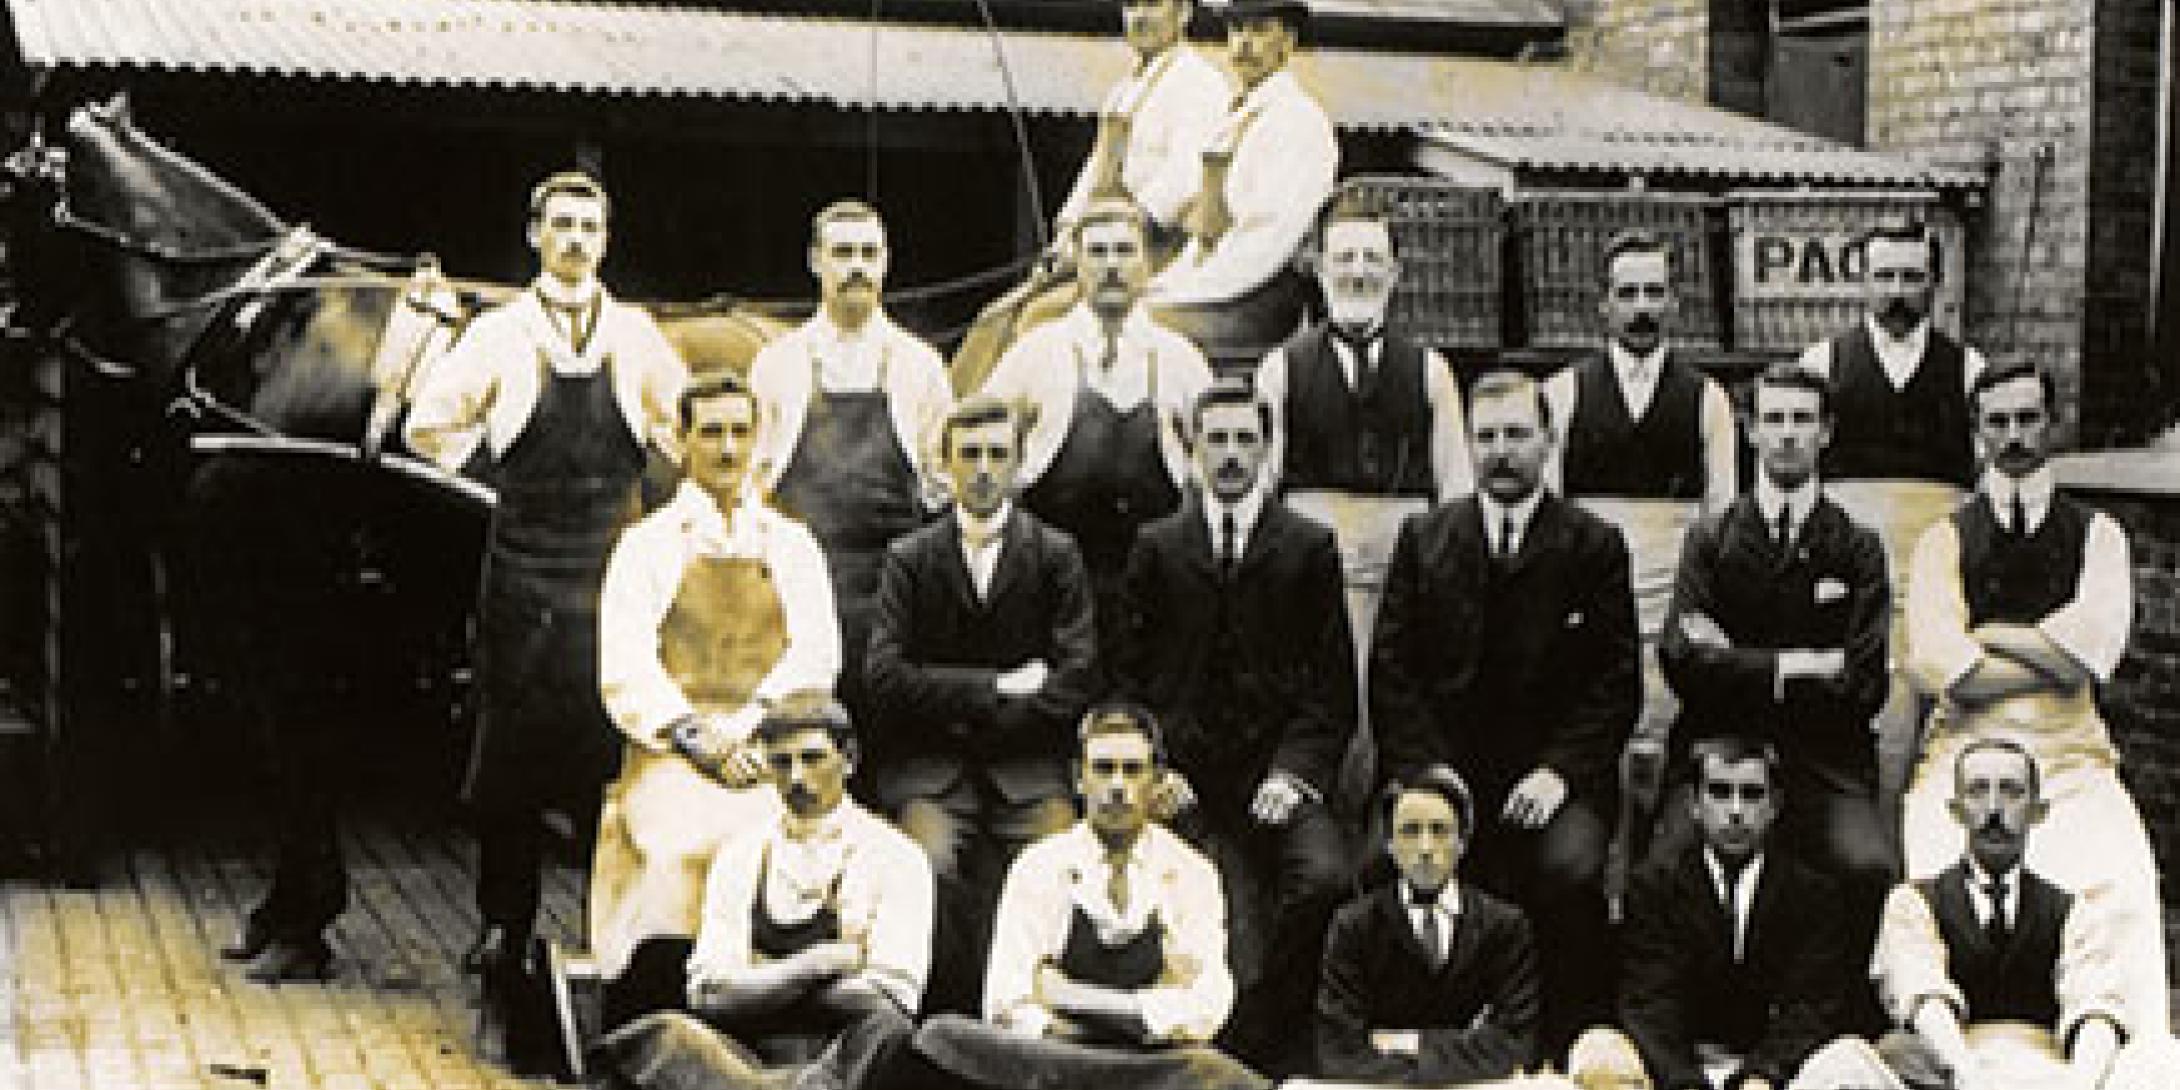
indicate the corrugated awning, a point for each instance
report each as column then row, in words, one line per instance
column 1527, row 115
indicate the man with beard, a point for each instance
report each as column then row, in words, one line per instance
column 1506, row 649
column 850, row 403
column 1902, row 452
column 1266, row 173
column 1649, row 442
column 2018, row 608
column 1367, row 426
column 1235, row 637
column 1108, row 387
column 567, row 390
column 1777, row 632
column 1736, row 966
column 1108, row 965
column 983, row 657
column 2003, row 980
column 715, row 607
column 814, row 941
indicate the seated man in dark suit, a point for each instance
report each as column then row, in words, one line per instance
column 1735, row 964
column 982, row 657
column 1427, row 982
column 1506, row 648
column 1236, row 637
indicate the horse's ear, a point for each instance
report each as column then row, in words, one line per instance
column 115, row 109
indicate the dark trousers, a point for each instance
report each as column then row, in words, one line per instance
column 1282, row 884
column 1556, row 874
column 511, row 840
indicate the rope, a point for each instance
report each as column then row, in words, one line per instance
column 1021, row 131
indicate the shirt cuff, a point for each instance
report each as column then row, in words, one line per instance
column 1169, row 1016
column 1027, row 1019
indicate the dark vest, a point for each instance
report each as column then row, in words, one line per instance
column 2012, row 579
column 2020, row 982
column 1375, row 440
column 1658, row 457
column 1920, row 432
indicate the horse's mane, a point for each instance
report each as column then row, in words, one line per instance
column 138, row 165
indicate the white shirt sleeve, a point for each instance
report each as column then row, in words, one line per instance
column 1183, row 376
column 1032, row 373
column 1450, row 463
column 1721, row 453
column 926, row 397
column 447, row 419
column 1192, row 1002
column 1560, row 392
column 1972, row 366
column 1279, row 178
column 1181, row 116
column 1271, row 385
column 888, row 897
column 2088, row 978
column 730, row 889
column 1910, row 961
column 781, row 390
column 661, row 376
column 2093, row 625
column 1026, row 931
column 1940, row 651
column 812, row 657
column 642, row 576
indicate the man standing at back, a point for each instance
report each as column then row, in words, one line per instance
column 567, row 389
column 849, row 403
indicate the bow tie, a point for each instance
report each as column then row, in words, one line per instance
column 1423, row 898
column 1358, row 342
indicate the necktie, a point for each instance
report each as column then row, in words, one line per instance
column 1506, row 538
column 1994, row 925
column 1117, row 886
column 1109, row 356
column 1227, row 543
column 1432, row 934
column 1782, row 532
column 2020, row 516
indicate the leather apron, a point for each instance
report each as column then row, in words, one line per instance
column 851, row 483
column 663, row 820
column 567, row 485
column 1107, row 479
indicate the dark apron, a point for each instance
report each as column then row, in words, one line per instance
column 1131, row 965
column 851, row 483
column 1108, row 478
column 567, row 485
column 774, row 939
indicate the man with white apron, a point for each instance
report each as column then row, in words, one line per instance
column 849, row 405
column 2019, row 608
column 1901, row 456
column 1266, row 173
column 714, row 606
column 1368, row 427
column 1109, row 387
column 1108, row 964
column 568, row 389
column 1649, row 443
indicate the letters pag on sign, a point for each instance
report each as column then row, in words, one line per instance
column 1798, row 264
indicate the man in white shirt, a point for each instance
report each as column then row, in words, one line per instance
column 1110, row 389
column 1648, row 444
column 849, row 404
column 1154, row 124
column 1266, row 173
column 2018, row 608
column 815, row 937
column 2003, row 980
column 566, row 391
column 714, row 607
column 1108, row 964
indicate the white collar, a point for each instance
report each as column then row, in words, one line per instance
column 551, row 291
column 1627, row 364
column 1276, row 85
column 2035, row 489
column 1448, row 900
column 1909, row 347
column 1496, row 513
column 1083, row 327
column 986, row 528
column 826, row 828
column 1717, row 867
column 715, row 531
column 1802, row 500
column 1245, row 512
column 825, row 333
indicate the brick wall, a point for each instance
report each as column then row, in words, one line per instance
column 1660, row 46
column 2142, row 705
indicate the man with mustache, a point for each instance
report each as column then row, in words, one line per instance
column 1506, row 648
column 566, row 391
column 982, row 658
column 2019, row 606
column 850, row 403
column 1902, row 452
column 1266, row 172
column 1736, row 966
column 813, row 944
column 1108, row 964
column 1235, row 636
column 1367, row 425
column 715, row 608
column 1649, row 441
column 1108, row 387
column 2003, row 980
column 1777, row 631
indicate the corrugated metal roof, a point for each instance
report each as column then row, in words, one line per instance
column 1538, row 116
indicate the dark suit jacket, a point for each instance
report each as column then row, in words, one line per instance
column 936, row 648
column 1828, row 591
column 1477, row 1014
column 1280, row 690
column 1679, row 983
column 1499, row 668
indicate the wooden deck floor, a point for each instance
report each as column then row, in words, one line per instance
column 122, row 987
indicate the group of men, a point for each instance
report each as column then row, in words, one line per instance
column 1092, row 639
